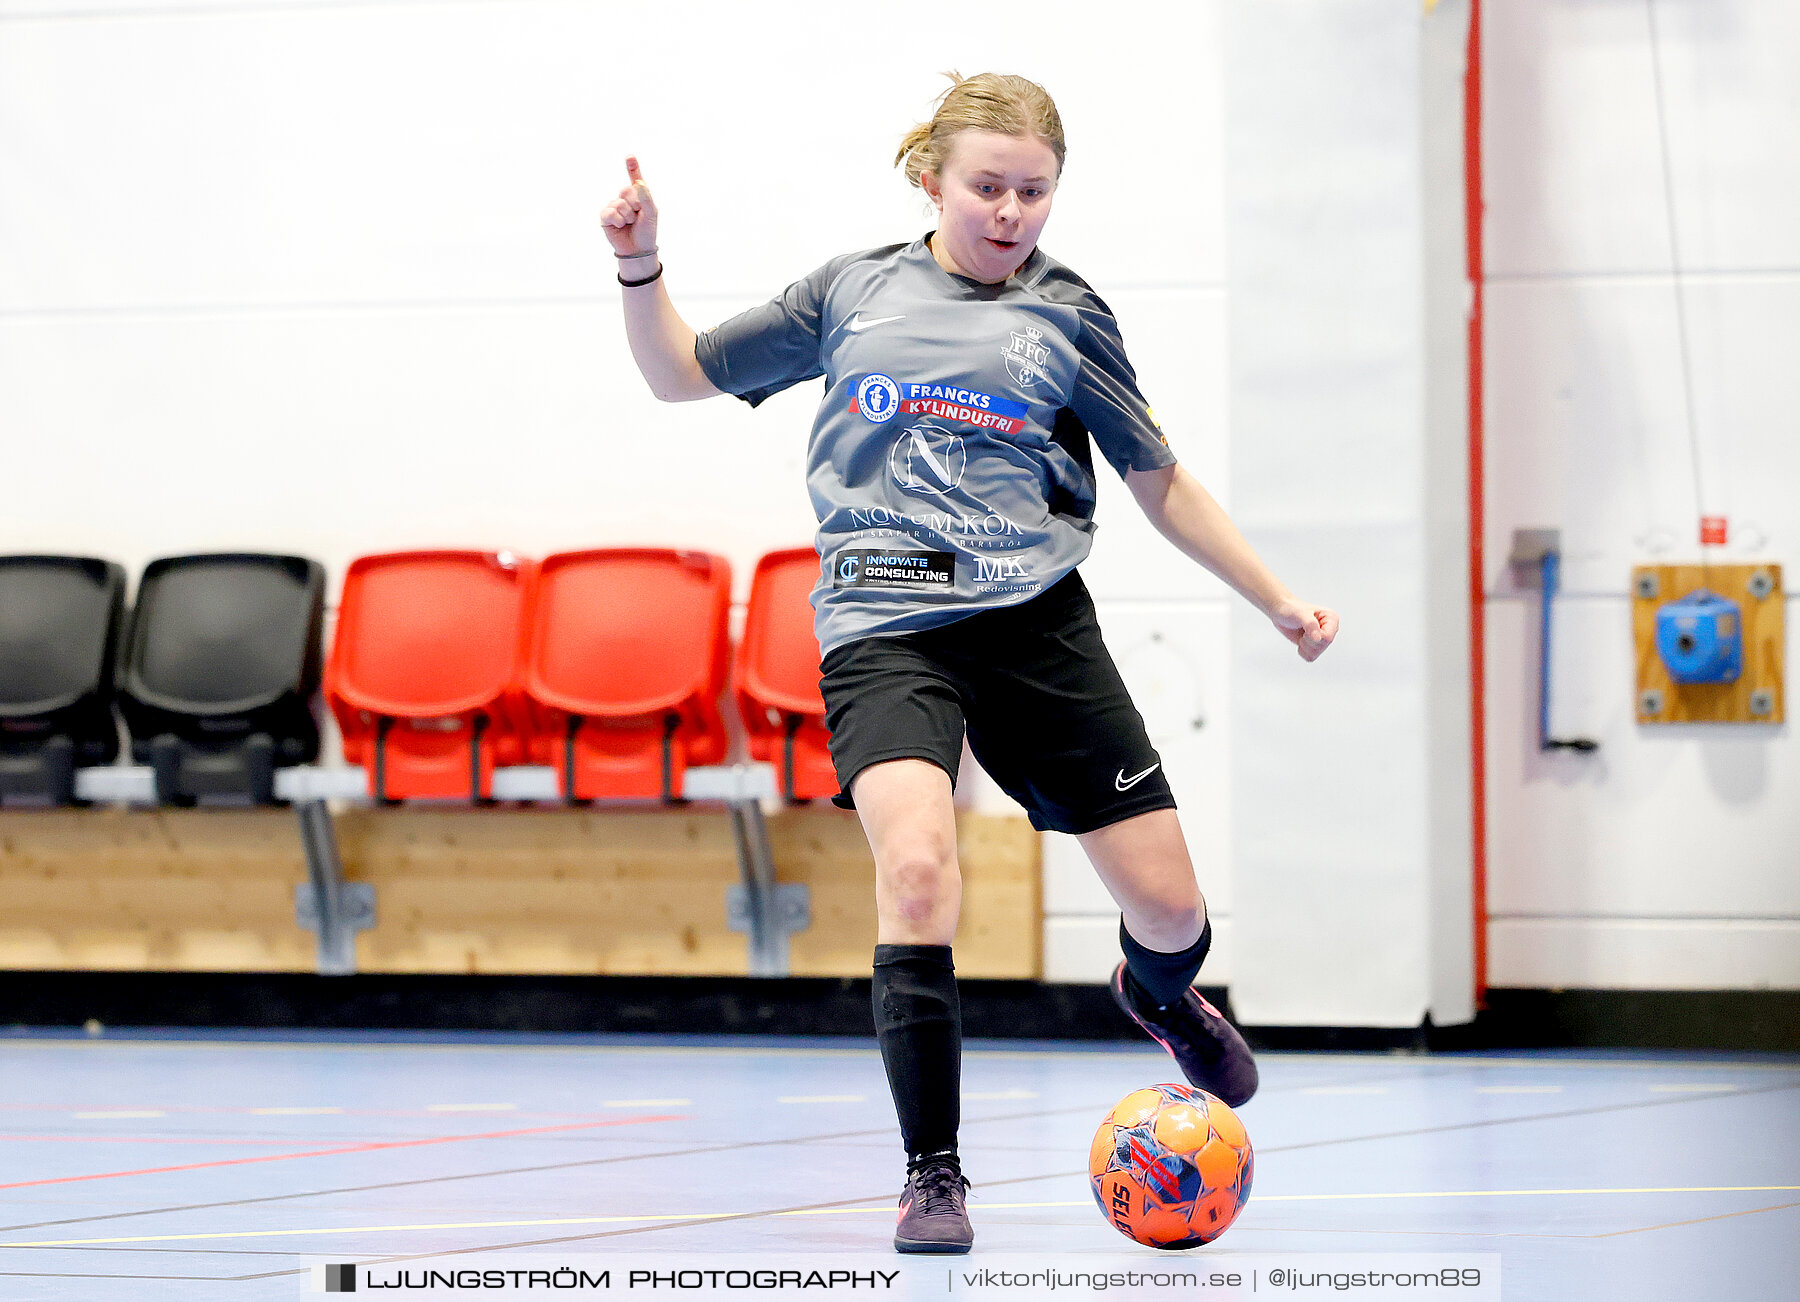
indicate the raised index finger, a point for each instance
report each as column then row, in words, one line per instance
column 632, row 170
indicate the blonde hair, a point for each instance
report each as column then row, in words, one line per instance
column 988, row 101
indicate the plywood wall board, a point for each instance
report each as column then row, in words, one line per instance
column 593, row 844
column 161, row 842
column 196, row 890
column 476, row 890
column 545, row 890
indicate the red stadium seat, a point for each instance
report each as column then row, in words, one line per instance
column 626, row 659
column 425, row 668
column 778, row 676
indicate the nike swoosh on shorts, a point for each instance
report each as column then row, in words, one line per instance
column 1124, row 783
column 856, row 325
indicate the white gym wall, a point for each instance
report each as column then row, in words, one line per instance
column 1351, row 807
column 328, row 278
column 1670, row 857
column 325, row 277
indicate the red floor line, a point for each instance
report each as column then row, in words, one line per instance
column 334, row 1152
column 133, row 1139
column 183, row 1109
column 1722, row 1216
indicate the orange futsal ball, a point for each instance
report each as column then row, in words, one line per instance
column 1170, row 1166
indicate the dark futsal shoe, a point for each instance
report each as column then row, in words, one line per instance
column 1208, row 1049
column 933, row 1217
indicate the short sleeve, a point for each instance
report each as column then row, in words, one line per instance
column 758, row 353
column 1107, row 399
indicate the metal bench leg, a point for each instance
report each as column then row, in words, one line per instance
column 326, row 904
column 768, row 910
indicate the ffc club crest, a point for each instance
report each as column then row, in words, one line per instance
column 1027, row 357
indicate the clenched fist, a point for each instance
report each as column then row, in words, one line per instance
column 1310, row 628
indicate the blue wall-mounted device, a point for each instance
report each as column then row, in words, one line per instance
column 1700, row 638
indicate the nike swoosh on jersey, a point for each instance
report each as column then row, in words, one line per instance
column 856, row 325
column 1124, row 783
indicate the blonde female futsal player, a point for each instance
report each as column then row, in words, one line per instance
column 967, row 377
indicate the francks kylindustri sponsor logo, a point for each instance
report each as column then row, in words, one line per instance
column 878, row 399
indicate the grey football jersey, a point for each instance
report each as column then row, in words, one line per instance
column 950, row 465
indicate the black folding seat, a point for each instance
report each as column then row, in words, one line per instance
column 60, row 618
column 220, row 672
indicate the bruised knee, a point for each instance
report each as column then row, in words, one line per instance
column 920, row 884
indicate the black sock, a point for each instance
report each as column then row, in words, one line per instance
column 918, row 1022
column 1162, row 979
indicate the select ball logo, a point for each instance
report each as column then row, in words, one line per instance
column 1120, row 1210
column 878, row 399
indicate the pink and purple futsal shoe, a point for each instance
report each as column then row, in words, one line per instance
column 933, row 1216
column 1207, row 1048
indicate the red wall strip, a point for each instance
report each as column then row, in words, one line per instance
column 1472, row 215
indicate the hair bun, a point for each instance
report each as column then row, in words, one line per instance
column 988, row 101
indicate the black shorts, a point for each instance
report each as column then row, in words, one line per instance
column 1047, row 714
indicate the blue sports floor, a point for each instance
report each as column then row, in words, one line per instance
column 149, row 1166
